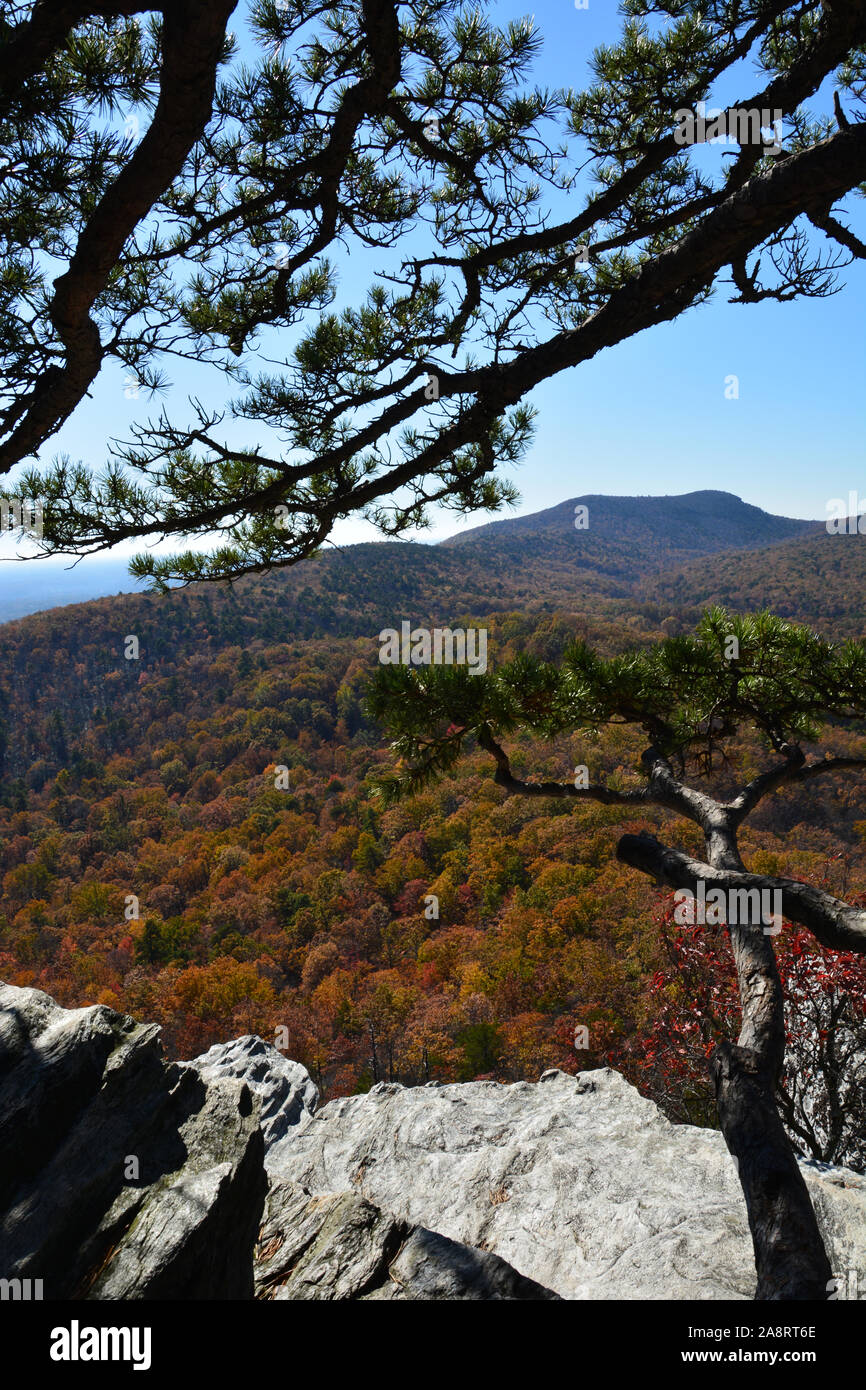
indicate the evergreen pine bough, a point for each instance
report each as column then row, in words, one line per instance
column 160, row 199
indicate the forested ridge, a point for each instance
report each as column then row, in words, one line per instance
column 308, row 908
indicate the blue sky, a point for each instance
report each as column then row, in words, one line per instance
column 650, row 416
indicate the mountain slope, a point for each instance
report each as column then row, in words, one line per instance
column 625, row 535
column 512, row 561
column 642, row 564
column 816, row 578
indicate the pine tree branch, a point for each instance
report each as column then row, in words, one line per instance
column 193, row 40
column 832, row 922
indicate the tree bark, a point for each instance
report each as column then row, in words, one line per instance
column 832, row 922
column 790, row 1258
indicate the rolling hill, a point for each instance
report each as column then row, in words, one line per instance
column 643, row 566
column 647, row 532
column 815, row 578
column 527, row 560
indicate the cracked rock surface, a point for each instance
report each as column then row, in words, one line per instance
column 578, row 1182
column 339, row 1246
column 285, row 1089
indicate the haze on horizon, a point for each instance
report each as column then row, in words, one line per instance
column 35, row 585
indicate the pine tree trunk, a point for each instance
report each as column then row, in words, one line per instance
column 790, row 1258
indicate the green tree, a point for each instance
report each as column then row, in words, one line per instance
column 150, row 946
column 288, row 902
column 368, row 856
column 481, row 1045
column 407, row 124
column 691, row 697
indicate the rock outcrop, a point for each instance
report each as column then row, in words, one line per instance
column 340, row 1246
column 124, row 1176
column 285, row 1090
column 578, row 1182
column 121, row 1176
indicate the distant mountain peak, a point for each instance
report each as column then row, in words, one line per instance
column 697, row 523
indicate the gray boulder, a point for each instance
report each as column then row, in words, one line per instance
column 578, row 1182
column 121, row 1176
column 339, row 1246
column 124, row 1177
column 286, row 1091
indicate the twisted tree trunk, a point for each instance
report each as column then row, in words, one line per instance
column 790, row 1258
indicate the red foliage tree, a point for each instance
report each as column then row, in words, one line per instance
column 693, row 1004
